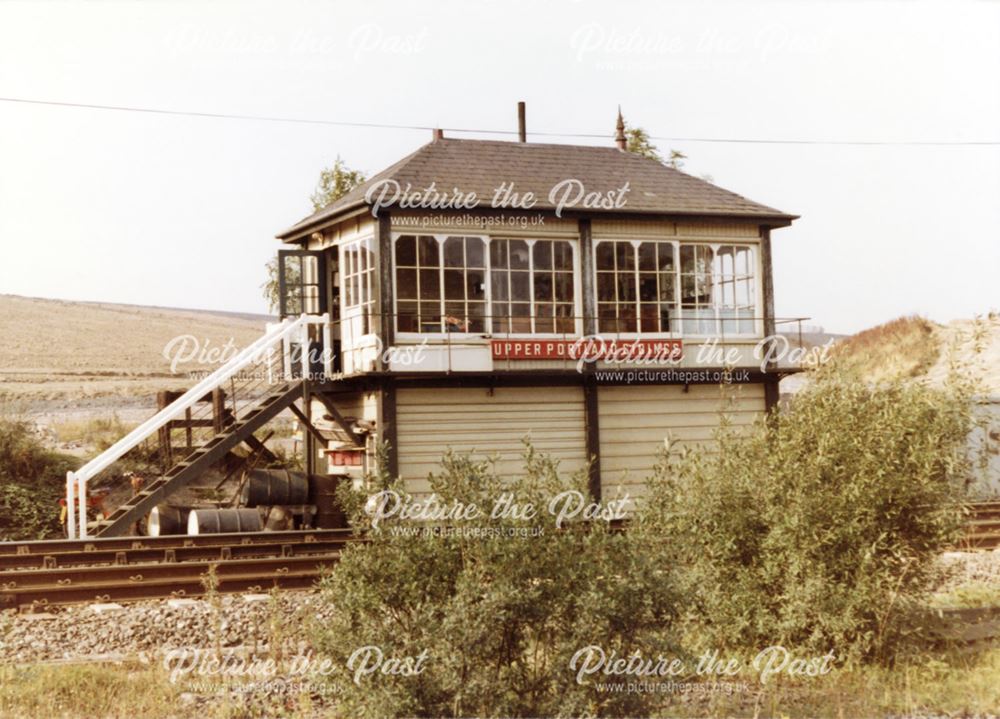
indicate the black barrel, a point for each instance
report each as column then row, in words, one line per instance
column 323, row 493
column 275, row 487
column 167, row 519
column 216, row 521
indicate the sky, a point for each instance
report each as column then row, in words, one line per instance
column 181, row 211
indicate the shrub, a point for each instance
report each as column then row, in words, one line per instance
column 32, row 479
column 819, row 530
column 499, row 617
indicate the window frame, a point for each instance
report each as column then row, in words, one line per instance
column 678, row 243
column 362, row 310
column 490, row 331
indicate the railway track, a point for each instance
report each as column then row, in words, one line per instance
column 983, row 527
column 51, row 573
column 57, row 572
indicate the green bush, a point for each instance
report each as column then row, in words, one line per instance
column 819, row 530
column 499, row 617
column 32, row 479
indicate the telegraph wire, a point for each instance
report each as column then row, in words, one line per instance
column 480, row 131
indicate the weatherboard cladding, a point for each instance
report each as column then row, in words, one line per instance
column 480, row 166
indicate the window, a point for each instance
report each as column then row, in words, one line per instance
column 717, row 289
column 440, row 286
column 734, row 289
column 359, row 272
column 661, row 286
column 636, row 286
column 532, row 286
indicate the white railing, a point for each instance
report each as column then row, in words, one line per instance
column 282, row 332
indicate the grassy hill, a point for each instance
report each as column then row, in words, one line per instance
column 914, row 347
column 56, row 350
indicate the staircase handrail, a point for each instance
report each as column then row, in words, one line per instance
column 187, row 400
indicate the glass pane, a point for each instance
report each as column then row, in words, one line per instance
column 688, row 287
column 605, row 255
column 605, row 286
column 647, row 287
column 430, row 317
column 475, row 283
column 687, row 259
column 500, row 319
column 520, row 286
column 649, row 316
column 475, row 318
column 518, row 254
column 543, row 255
column 606, row 318
column 626, row 287
column 454, row 317
column 429, row 285
column 293, row 300
column 625, row 255
column 454, row 284
column 521, row 317
column 647, row 256
column 474, row 252
column 310, row 299
column 565, row 322
column 499, row 285
column 428, row 248
column 310, row 269
column 744, row 261
column 564, row 287
column 406, row 250
column 406, row 284
column 562, row 255
column 498, row 253
column 454, row 252
column 543, row 287
column 666, row 320
column 407, row 320
column 665, row 254
column 667, row 287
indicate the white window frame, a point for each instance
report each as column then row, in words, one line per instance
column 490, row 330
column 350, row 313
column 677, row 243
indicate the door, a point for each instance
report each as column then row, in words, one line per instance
column 301, row 283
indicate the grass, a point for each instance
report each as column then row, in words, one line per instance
column 968, row 596
column 953, row 683
column 98, row 432
column 903, row 348
column 87, row 690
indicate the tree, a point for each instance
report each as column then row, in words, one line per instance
column 334, row 183
column 498, row 605
column 638, row 142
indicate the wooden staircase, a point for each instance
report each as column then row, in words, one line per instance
column 199, row 460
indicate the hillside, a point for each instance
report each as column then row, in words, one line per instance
column 55, row 350
column 917, row 348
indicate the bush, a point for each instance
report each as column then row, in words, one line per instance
column 32, row 479
column 499, row 617
column 819, row 531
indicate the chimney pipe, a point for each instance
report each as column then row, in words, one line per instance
column 522, row 130
column 620, row 140
column 437, row 134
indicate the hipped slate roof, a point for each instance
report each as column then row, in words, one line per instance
column 480, row 166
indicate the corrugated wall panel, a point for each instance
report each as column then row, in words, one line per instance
column 430, row 421
column 635, row 421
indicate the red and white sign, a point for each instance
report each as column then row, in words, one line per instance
column 589, row 348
